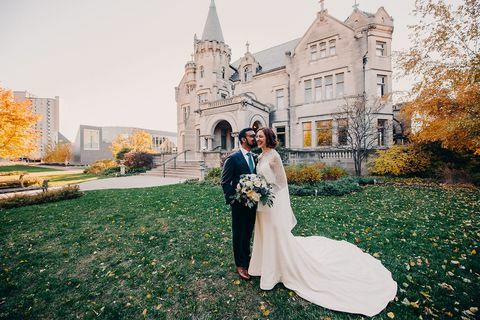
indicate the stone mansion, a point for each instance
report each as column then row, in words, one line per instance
column 295, row 87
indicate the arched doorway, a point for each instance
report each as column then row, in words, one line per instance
column 257, row 125
column 222, row 136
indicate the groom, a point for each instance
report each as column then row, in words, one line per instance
column 243, row 217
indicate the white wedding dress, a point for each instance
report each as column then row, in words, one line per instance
column 333, row 274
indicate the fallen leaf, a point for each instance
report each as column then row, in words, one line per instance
column 391, row 315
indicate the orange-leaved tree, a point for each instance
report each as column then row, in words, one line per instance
column 138, row 141
column 445, row 61
column 61, row 153
column 18, row 136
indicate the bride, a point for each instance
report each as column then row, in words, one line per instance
column 333, row 274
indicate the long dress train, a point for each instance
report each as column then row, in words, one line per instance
column 333, row 274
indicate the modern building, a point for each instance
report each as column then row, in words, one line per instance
column 296, row 87
column 93, row 143
column 48, row 125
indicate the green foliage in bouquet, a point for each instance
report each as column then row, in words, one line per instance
column 252, row 189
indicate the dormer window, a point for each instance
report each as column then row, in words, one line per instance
column 333, row 47
column 202, row 72
column 248, row 73
column 380, row 48
column 313, row 52
column 323, row 50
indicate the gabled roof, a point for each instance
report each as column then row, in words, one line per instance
column 270, row 59
column 212, row 30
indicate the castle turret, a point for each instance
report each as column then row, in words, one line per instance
column 212, row 58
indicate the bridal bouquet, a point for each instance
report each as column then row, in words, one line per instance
column 252, row 189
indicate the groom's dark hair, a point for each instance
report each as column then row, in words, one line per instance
column 243, row 134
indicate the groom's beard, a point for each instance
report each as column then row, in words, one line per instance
column 253, row 144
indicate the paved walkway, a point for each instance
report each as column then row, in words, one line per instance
column 128, row 183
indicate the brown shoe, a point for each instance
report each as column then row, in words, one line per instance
column 243, row 273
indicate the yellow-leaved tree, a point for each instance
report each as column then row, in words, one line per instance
column 18, row 136
column 138, row 141
column 60, row 153
column 445, row 61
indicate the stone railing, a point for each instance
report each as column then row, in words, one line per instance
column 242, row 99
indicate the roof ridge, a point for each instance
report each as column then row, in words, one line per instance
column 278, row 45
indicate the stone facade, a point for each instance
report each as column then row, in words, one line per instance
column 297, row 87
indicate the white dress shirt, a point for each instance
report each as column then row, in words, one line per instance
column 244, row 152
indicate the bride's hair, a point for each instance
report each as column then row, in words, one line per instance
column 270, row 137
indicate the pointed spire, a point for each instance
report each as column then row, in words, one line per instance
column 322, row 5
column 355, row 6
column 212, row 29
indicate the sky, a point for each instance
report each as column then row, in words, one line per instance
column 117, row 62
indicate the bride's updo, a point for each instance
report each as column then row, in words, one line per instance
column 270, row 137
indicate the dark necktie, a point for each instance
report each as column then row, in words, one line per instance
column 251, row 165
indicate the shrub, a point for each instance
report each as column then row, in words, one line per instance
column 121, row 154
column 99, row 166
column 401, row 161
column 301, row 174
column 214, row 175
column 333, row 173
column 114, row 171
column 21, row 200
column 137, row 170
column 138, row 160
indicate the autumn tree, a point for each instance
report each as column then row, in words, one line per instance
column 445, row 61
column 138, row 141
column 18, row 136
column 360, row 133
column 59, row 153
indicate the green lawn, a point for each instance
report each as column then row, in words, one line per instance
column 166, row 253
column 26, row 168
column 64, row 179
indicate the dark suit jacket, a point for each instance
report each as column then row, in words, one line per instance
column 235, row 165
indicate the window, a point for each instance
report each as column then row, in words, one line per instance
column 342, row 132
column 308, row 91
column 202, row 72
column 202, row 98
column 332, row 47
column 324, row 133
column 307, row 134
column 381, row 85
column 223, row 72
column 381, row 48
column 280, row 99
column 224, row 96
column 318, row 89
column 323, row 50
column 248, row 73
column 281, row 136
column 313, row 52
column 91, row 139
column 185, row 114
column 198, row 139
column 381, row 127
column 328, row 87
column 339, row 79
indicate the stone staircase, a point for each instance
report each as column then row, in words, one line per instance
column 190, row 169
